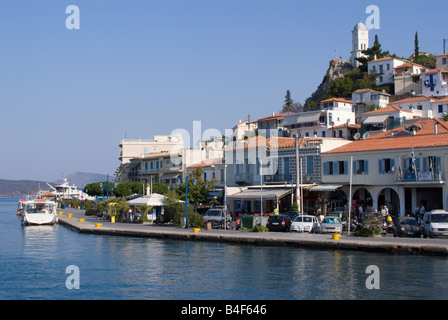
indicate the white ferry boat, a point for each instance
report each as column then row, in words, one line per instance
column 39, row 212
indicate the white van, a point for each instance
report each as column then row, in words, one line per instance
column 435, row 224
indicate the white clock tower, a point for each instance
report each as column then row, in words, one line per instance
column 360, row 41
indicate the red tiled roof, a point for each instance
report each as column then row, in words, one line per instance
column 337, row 100
column 424, row 138
column 203, row 164
column 414, row 99
column 441, row 100
column 384, row 59
column 280, row 142
column 370, row 90
column 273, row 117
column 435, row 71
column 389, row 108
column 410, row 64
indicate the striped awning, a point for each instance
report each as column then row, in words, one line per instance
column 257, row 193
column 327, row 187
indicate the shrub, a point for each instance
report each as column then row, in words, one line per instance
column 195, row 220
column 260, row 229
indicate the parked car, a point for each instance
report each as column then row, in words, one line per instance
column 279, row 223
column 331, row 225
column 217, row 216
column 305, row 224
column 435, row 224
column 407, row 227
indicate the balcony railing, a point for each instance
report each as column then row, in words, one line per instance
column 421, row 177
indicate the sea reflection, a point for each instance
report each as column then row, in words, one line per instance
column 39, row 242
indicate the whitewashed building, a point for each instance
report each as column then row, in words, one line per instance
column 384, row 69
column 435, row 83
column 408, row 78
column 403, row 167
column 320, row 123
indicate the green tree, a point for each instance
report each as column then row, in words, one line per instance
column 375, row 52
column 198, row 189
column 416, row 48
column 288, row 104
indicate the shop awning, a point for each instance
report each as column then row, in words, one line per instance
column 376, row 119
column 327, row 187
column 301, row 118
column 154, row 200
column 169, row 176
column 256, row 194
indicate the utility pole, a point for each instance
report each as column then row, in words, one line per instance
column 444, row 45
column 298, row 195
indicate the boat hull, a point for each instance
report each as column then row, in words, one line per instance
column 39, row 219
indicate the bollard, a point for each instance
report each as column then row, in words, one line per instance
column 97, row 225
column 336, row 236
column 69, row 215
column 112, row 219
column 60, row 213
column 196, row 230
column 82, row 220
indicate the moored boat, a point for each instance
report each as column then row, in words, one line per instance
column 39, row 212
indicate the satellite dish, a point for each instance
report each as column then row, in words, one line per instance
column 365, row 135
column 394, row 169
column 357, row 136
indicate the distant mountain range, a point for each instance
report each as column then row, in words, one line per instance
column 20, row 188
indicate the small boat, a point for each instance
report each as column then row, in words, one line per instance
column 39, row 212
column 20, row 206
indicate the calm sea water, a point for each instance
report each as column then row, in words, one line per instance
column 33, row 262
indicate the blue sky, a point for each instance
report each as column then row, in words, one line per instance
column 139, row 68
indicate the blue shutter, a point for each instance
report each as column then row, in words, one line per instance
column 345, row 167
column 336, row 168
column 380, row 166
column 425, row 164
column 438, row 165
column 326, row 169
column 392, row 164
column 366, row 166
column 309, row 165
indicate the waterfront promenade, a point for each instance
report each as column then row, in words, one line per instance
column 81, row 223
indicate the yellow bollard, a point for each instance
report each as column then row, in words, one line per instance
column 69, row 215
column 112, row 219
column 97, row 225
column 60, row 213
column 82, row 220
column 336, row 236
column 196, row 230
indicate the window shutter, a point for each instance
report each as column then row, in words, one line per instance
column 425, row 164
column 380, row 166
column 366, row 166
column 336, row 168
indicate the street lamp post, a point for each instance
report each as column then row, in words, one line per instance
column 186, row 202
